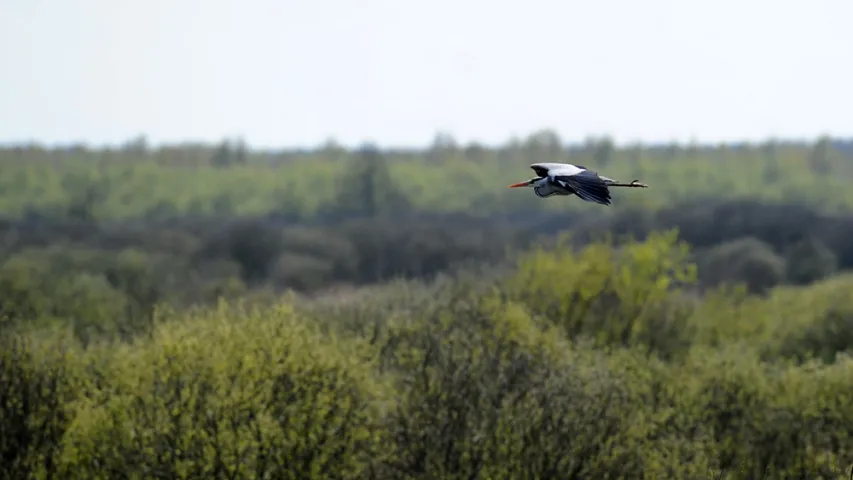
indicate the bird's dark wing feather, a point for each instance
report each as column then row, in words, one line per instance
column 587, row 185
column 539, row 171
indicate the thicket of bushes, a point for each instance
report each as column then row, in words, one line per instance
column 599, row 362
column 107, row 277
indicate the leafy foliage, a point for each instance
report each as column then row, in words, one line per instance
column 215, row 312
column 618, row 371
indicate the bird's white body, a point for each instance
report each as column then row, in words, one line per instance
column 567, row 179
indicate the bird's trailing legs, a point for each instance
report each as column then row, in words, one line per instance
column 633, row 184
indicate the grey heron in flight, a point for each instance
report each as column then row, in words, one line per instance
column 567, row 179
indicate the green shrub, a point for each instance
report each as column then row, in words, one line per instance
column 809, row 260
column 486, row 392
column 301, row 272
column 37, row 393
column 35, row 292
column 22, row 294
column 546, row 372
column 93, row 307
column 747, row 260
column 823, row 327
column 625, row 296
column 754, row 420
column 227, row 393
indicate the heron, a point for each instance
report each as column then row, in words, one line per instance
column 567, row 179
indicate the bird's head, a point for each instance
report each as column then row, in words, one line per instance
column 527, row 183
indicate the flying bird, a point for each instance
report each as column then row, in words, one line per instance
column 567, row 179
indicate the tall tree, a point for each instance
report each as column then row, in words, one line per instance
column 367, row 188
column 603, row 151
column 820, row 161
column 543, row 146
column 221, row 157
column 443, row 146
column 770, row 150
column 240, row 154
column 692, row 150
column 332, row 150
column 137, row 145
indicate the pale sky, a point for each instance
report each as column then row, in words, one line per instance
column 286, row 73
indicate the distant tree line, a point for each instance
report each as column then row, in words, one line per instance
column 229, row 178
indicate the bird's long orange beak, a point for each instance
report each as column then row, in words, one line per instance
column 520, row 184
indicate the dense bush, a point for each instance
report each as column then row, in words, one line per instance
column 809, row 260
column 225, row 393
column 768, row 244
column 132, row 266
column 37, row 393
column 623, row 296
column 598, row 361
column 749, row 259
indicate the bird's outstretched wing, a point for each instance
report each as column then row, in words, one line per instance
column 542, row 169
column 586, row 184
